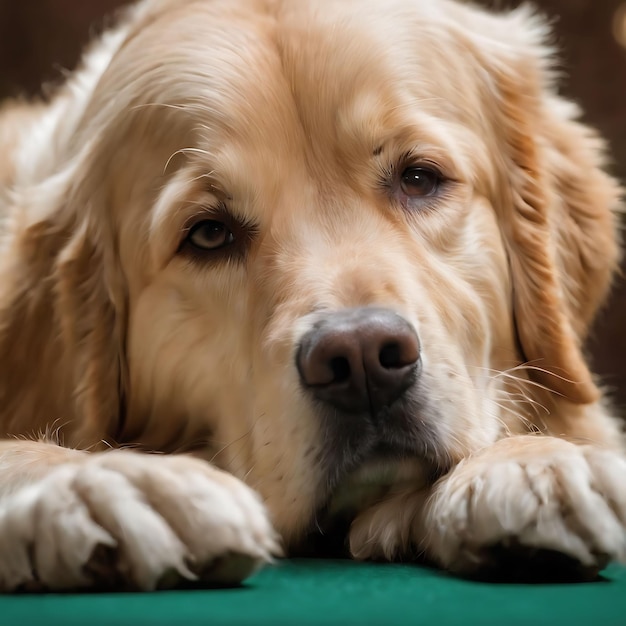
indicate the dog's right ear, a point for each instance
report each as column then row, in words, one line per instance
column 62, row 293
column 62, row 311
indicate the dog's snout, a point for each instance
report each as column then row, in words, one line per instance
column 359, row 359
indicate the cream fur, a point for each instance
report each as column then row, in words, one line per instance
column 288, row 113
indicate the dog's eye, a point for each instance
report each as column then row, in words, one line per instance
column 420, row 182
column 210, row 235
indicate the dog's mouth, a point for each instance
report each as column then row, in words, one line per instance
column 383, row 471
column 366, row 458
column 373, row 479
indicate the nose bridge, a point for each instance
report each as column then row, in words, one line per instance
column 328, row 254
column 368, row 282
column 349, row 256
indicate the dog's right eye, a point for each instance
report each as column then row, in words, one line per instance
column 209, row 235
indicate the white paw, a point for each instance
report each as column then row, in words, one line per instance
column 128, row 520
column 536, row 493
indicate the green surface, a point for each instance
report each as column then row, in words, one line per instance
column 339, row 592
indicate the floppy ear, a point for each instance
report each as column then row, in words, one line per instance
column 557, row 207
column 62, row 314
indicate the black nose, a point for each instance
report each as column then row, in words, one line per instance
column 359, row 359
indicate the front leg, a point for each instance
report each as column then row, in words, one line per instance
column 523, row 495
column 124, row 520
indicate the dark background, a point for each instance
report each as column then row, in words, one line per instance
column 41, row 39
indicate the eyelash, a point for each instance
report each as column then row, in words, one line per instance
column 390, row 173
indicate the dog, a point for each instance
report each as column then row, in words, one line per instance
column 268, row 264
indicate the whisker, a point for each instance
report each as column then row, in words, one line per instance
column 227, row 445
column 185, row 151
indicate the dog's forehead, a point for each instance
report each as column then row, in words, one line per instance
column 294, row 97
column 267, row 70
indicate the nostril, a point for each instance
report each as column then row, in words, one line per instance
column 389, row 356
column 340, row 368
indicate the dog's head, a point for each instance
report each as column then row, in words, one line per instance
column 315, row 238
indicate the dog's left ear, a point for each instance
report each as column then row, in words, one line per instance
column 556, row 205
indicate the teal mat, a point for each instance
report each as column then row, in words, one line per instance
column 301, row 592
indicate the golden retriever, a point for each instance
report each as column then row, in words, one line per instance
column 340, row 254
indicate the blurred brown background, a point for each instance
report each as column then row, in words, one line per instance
column 41, row 39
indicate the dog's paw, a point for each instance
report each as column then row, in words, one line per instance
column 125, row 520
column 390, row 530
column 527, row 498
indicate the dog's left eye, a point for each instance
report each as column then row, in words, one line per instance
column 420, row 182
column 210, row 235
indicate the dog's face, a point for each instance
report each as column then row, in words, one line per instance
column 323, row 285
column 324, row 220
